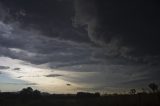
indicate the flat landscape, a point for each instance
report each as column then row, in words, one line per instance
column 36, row 98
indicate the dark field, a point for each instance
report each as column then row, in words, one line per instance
column 79, row 99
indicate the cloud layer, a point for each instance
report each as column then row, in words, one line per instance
column 114, row 43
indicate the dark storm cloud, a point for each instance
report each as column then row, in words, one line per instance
column 118, row 39
column 125, row 28
column 53, row 18
column 89, row 17
column 36, row 48
column 86, row 16
column 130, row 29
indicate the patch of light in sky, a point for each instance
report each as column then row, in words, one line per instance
column 34, row 74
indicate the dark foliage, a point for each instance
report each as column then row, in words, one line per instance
column 132, row 91
column 153, row 86
column 30, row 97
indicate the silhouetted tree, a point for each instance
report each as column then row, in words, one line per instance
column 144, row 91
column 97, row 94
column 26, row 91
column 36, row 93
column 87, row 94
column 132, row 91
column 153, row 86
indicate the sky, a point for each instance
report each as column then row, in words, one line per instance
column 67, row 46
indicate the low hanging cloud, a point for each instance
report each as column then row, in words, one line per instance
column 17, row 69
column 4, row 67
column 68, row 84
column 53, row 75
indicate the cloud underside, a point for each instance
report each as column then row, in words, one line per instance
column 88, row 35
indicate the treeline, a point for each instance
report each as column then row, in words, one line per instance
column 29, row 92
column 154, row 89
column 33, row 98
column 30, row 97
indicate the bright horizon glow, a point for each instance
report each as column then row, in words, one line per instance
column 35, row 76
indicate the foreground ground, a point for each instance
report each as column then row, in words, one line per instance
column 82, row 99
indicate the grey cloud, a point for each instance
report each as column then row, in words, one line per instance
column 115, row 75
column 28, row 76
column 37, row 49
column 4, row 13
column 108, row 26
column 19, row 76
column 16, row 68
column 104, row 22
column 86, row 15
column 68, row 84
column 30, row 84
column 53, row 75
column 4, row 67
column 55, row 24
column 57, row 53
